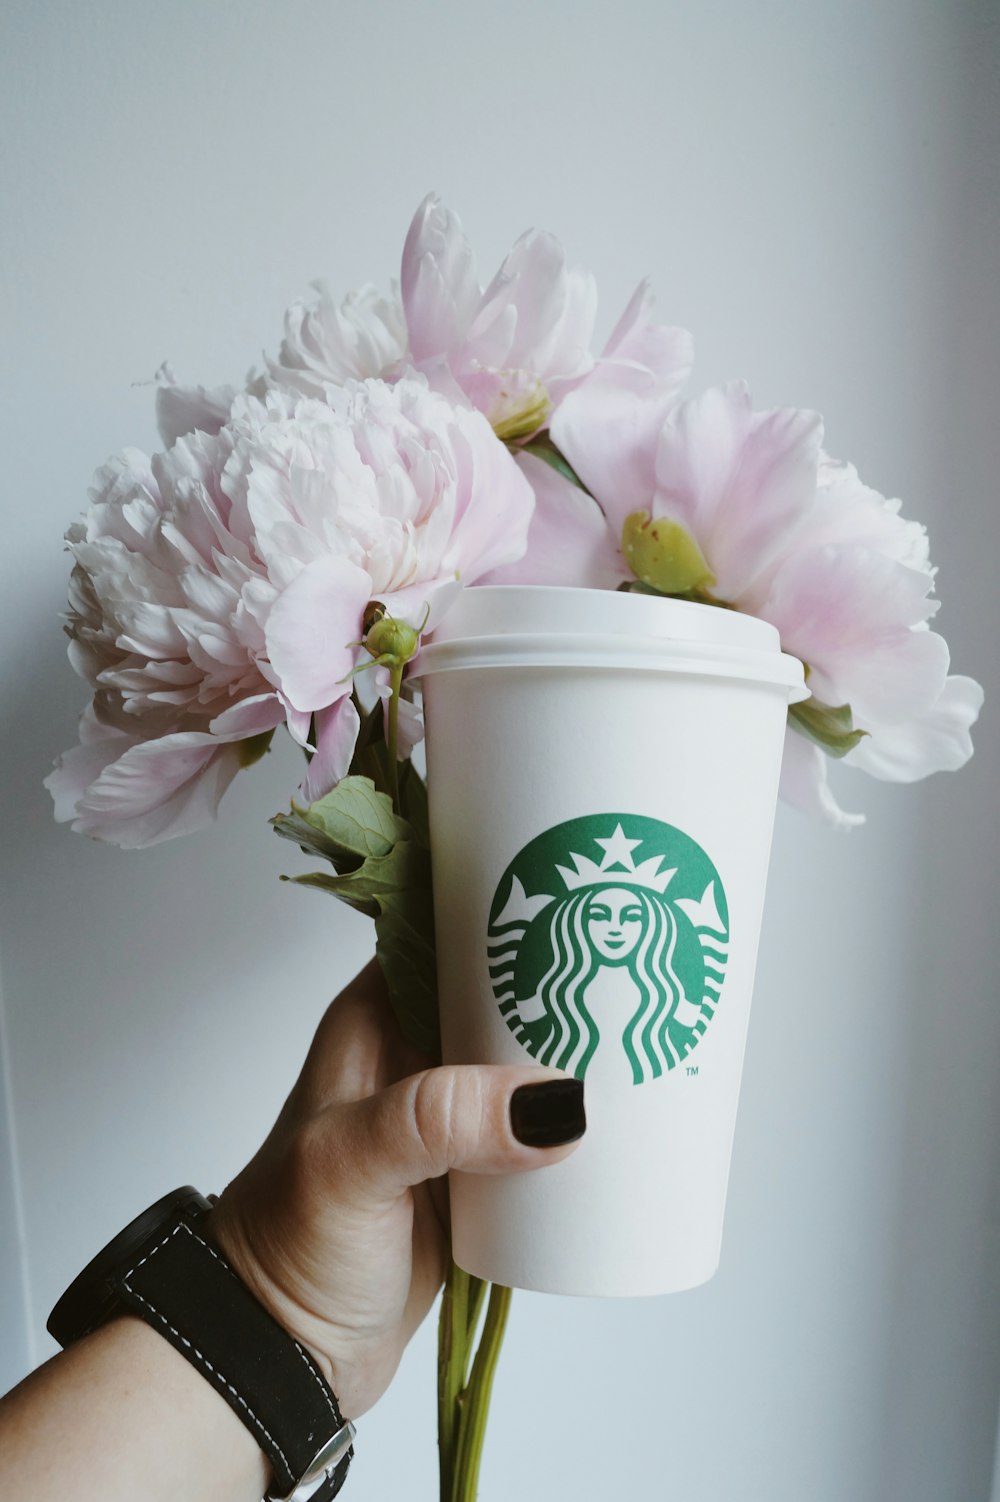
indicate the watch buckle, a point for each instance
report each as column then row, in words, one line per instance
column 321, row 1468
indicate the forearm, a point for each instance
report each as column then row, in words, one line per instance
column 121, row 1415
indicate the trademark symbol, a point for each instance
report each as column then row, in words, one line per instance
column 692, row 1070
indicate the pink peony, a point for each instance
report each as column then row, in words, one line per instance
column 327, row 344
column 789, row 536
column 517, row 348
column 219, row 588
column 513, row 350
column 739, row 481
column 852, row 598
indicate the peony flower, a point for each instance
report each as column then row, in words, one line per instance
column 852, row 598
column 133, row 792
column 518, row 348
column 513, row 351
column 219, row 588
column 784, row 533
column 328, row 345
column 739, row 481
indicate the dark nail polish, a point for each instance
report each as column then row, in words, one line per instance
column 549, row 1113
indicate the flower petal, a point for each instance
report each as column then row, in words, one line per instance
column 610, row 437
column 310, row 630
column 937, row 741
column 416, row 601
column 77, row 768
column 556, row 308
column 848, row 511
column 326, row 343
column 254, row 716
column 494, row 502
column 850, row 613
column 648, row 358
column 156, row 790
column 804, row 784
column 410, row 719
column 187, row 409
column 337, row 735
column 739, row 480
column 569, row 542
column 439, row 282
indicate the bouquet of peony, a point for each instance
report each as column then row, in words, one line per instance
column 290, row 556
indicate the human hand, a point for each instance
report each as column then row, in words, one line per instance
column 339, row 1223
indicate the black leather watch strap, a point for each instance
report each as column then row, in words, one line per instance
column 182, row 1286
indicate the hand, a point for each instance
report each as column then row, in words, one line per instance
column 339, row 1224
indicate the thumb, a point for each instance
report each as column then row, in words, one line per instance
column 482, row 1118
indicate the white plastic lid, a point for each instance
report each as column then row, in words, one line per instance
column 519, row 625
column 529, row 609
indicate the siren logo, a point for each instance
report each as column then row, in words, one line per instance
column 609, row 932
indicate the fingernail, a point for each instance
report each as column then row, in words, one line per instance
column 549, row 1113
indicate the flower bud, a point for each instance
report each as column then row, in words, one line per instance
column 392, row 641
column 663, row 555
column 521, row 407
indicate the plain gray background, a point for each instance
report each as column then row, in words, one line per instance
column 813, row 187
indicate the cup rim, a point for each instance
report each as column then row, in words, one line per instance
column 549, row 626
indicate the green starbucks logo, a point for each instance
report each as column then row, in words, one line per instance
column 610, row 931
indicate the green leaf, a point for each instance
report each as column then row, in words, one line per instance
column 254, row 747
column 543, row 448
column 358, row 818
column 413, row 797
column 294, row 827
column 382, row 867
column 354, row 819
column 372, row 724
column 405, row 950
column 831, row 727
column 378, row 882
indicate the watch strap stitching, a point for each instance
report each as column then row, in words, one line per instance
column 338, row 1417
column 310, row 1364
column 216, row 1375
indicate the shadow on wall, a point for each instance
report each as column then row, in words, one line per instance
column 174, row 989
column 61, row 891
column 947, row 1287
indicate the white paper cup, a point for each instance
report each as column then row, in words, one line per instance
column 602, row 776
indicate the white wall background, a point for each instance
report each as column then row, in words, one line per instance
column 813, row 186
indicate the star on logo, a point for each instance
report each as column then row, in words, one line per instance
column 618, row 850
column 617, row 866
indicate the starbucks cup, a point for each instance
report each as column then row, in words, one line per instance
column 602, row 773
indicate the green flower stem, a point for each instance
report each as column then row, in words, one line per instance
column 452, row 1366
column 475, row 1401
column 392, row 737
column 463, row 1400
column 477, row 1298
column 366, row 762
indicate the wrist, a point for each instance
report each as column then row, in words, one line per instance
column 133, row 1419
column 225, row 1229
column 220, row 1450
column 164, row 1270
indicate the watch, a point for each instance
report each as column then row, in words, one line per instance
column 164, row 1269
